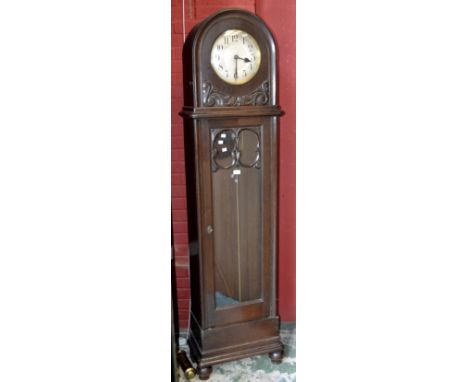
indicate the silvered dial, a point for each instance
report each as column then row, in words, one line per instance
column 235, row 57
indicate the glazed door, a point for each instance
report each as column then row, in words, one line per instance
column 237, row 159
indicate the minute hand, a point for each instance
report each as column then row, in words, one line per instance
column 236, row 57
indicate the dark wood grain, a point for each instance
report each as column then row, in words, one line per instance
column 232, row 224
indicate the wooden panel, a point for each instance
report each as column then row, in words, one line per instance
column 239, row 334
column 245, row 339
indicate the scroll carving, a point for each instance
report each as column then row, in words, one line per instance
column 214, row 97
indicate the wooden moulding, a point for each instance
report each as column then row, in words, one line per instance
column 231, row 342
column 203, row 112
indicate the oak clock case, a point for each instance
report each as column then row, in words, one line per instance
column 230, row 125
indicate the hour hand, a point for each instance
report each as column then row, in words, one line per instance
column 236, row 57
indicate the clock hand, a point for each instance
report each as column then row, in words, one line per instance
column 235, row 73
column 236, row 57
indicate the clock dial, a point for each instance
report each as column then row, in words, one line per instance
column 235, row 57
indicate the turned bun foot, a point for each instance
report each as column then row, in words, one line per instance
column 204, row 372
column 276, row 356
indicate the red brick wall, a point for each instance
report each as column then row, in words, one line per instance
column 195, row 11
column 280, row 16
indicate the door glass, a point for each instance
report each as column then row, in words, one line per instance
column 223, row 149
column 249, row 148
column 237, row 228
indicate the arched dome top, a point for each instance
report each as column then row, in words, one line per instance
column 207, row 88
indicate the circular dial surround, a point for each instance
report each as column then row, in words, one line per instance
column 235, row 56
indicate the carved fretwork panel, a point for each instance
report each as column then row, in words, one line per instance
column 215, row 97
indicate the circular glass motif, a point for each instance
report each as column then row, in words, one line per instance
column 249, row 148
column 235, row 57
column 224, row 147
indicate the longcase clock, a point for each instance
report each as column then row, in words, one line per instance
column 230, row 123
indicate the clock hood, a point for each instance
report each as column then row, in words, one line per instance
column 203, row 88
